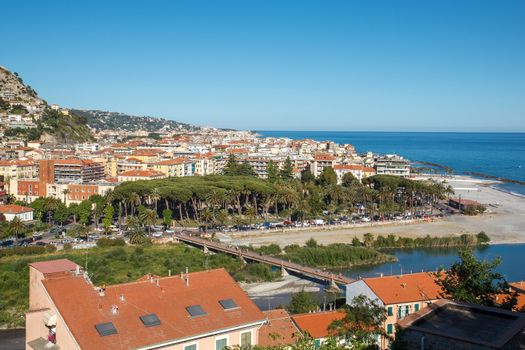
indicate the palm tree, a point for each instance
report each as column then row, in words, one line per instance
column 134, row 200
column 155, row 197
column 65, row 192
column 16, row 227
column 149, row 218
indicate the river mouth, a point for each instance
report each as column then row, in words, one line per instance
column 411, row 260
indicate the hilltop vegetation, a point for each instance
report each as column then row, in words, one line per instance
column 54, row 127
column 102, row 120
column 39, row 121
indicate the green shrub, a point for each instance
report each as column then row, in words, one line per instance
column 106, row 242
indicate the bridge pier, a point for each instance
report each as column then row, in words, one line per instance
column 205, row 249
column 284, row 273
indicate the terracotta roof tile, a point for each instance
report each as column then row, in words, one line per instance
column 168, row 301
column 316, row 324
column 405, row 288
column 279, row 329
column 54, row 266
column 14, row 209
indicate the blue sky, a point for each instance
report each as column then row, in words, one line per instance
column 297, row 65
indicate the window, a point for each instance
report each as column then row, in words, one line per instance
column 221, row 344
column 195, row 310
column 390, row 311
column 246, row 339
column 403, row 311
column 190, row 347
column 389, row 328
column 150, row 320
column 228, row 304
column 416, row 307
column 105, row 329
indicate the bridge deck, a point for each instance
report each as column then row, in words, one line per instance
column 246, row 254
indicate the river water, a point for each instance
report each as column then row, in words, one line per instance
column 430, row 259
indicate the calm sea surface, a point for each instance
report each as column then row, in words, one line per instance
column 497, row 154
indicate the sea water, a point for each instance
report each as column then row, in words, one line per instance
column 497, row 154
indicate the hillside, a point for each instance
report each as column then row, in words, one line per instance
column 102, row 120
column 24, row 115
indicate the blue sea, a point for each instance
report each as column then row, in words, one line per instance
column 497, row 154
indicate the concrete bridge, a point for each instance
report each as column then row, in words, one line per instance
column 286, row 266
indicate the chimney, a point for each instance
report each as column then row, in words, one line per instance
column 77, row 270
column 122, row 297
column 114, row 309
column 169, row 272
column 187, row 281
column 157, row 282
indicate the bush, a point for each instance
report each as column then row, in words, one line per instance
column 106, row 242
column 67, row 246
column 482, row 238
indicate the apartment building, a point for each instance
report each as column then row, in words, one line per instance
column 181, row 166
column 204, row 164
column 66, row 311
column 358, row 171
column 321, row 161
column 392, row 164
column 70, row 171
column 400, row 295
column 18, row 169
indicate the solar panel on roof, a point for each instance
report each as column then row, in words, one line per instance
column 150, row 320
column 228, row 304
column 106, row 329
column 195, row 310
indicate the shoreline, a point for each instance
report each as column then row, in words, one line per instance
column 503, row 220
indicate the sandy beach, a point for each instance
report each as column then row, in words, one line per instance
column 503, row 221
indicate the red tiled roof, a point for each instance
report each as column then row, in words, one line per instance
column 354, row 167
column 316, row 324
column 175, row 161
column 405, row 288
column 519, row 287
column 53, row 266
column 168, row 301
column 14, row 209
column 279, row 329
column 324, row 156
column 141, row 173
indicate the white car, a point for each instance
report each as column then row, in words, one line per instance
column 366, row 219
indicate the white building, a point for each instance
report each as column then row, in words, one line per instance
column 12, row 211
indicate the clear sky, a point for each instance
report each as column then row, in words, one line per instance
column 443, row 65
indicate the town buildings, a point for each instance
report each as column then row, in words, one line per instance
column 72, row 173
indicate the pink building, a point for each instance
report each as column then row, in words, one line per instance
column 198, row 311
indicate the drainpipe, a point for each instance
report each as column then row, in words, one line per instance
column 422, row 343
